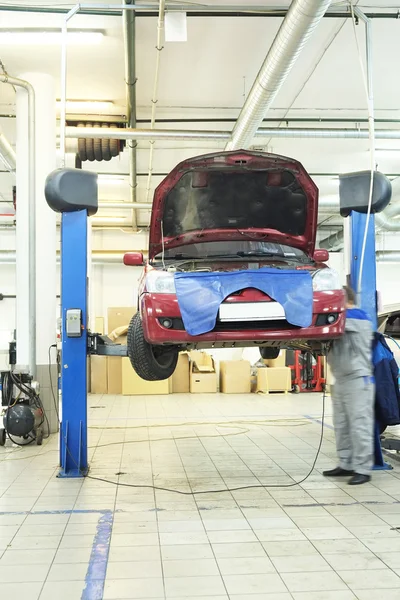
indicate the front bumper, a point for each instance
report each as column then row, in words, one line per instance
column 155, row 307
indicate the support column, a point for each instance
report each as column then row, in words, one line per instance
column 46, row 306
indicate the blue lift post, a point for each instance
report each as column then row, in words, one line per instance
column 73, row 429
column 368, row 298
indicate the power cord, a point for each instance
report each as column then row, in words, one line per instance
column 180, row 492
column 222, row 491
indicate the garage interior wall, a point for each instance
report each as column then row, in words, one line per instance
column 206, row 91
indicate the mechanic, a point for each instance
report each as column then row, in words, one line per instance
column 353, row 394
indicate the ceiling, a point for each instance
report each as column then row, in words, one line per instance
column 208, row 77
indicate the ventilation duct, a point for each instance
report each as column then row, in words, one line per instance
column 297, row 27
column 7, row 154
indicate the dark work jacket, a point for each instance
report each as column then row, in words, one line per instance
column 386, row 371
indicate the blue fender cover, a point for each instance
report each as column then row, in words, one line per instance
column 200, row 294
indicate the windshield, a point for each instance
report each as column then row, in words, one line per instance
column 242, row 248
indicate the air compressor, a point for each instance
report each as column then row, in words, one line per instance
column 22, row 416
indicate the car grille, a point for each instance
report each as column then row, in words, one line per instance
column 250, row 325
column 177, row 325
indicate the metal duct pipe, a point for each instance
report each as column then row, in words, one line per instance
column 7, row 154
column 202, row 135
column 98, row 258
column 383, row 221
column 388, row 223
column 298, row 26
column 388, row 256
column 20, row 83
column 129, row 27
column 138, row 205
column 332, row 242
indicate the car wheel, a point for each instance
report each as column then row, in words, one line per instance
column 152, row 363
column 269, row 353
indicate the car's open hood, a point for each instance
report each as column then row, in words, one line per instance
column 232, row 196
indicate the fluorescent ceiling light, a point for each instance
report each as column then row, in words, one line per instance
column 87, row 105
column 37, row 37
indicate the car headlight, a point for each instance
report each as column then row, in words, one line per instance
column 325, row 280
column 160, row 282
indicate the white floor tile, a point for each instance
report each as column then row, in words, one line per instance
column 254, row 584
column 378, row 579
column 313, row 582
column 193, row 586
column 244, row 545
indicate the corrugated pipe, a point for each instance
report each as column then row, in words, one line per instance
column 383, row 221
column 297, row 27
column 129, row 27
column 209, row 135
column 7, row 154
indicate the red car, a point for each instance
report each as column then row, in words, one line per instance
column 239, row 213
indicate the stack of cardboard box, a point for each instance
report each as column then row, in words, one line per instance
column 275, row 376
column 195, row 372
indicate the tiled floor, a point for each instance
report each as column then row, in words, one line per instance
column 74, row 539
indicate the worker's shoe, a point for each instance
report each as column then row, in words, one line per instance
column 337, row 472
column 359, row 479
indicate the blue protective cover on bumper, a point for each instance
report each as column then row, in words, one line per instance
column 200, row 294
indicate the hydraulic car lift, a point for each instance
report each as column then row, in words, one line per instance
column 74, row 194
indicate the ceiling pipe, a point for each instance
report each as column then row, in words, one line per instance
column 209, row 135
column 129, row 27
column 192, row 10
column 388, row 256
column 128, row 205
column 25, row 85
column 298, row 26
column 98, row 258
column 7, row 153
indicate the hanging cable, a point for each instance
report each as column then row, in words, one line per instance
column 154, row 100
column 367, row 81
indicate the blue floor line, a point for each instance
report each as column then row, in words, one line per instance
column 97, row 570
column 310, row 418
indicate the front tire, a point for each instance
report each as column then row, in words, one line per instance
column 152, row 363
column 269, row 352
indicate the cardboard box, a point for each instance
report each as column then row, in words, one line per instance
column 88, row 375
column 180, row 380
column 203, row 378
column 133, row 385
column 119, row 316
column 99, row 325
column 235, row 377
column 114, row 374
column 277, row 379
column 98, row 375
column 277, row 362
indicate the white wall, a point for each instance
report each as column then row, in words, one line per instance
column 117, row 285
